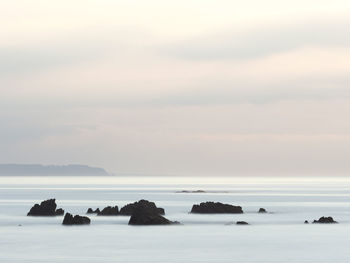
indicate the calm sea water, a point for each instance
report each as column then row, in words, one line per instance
column 278, row 236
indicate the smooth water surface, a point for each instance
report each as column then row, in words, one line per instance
column 278, row 236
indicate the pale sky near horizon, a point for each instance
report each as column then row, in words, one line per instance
column 177, row 87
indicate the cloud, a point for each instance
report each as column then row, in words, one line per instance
column 140, row 91
column 264, row 40
column 225, row 96
column 66, row 51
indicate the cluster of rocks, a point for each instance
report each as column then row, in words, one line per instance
column 128, row 209
column 191, row 192
column 46, row 208
column 200, row 192
column 144, row 212
column 325, row 220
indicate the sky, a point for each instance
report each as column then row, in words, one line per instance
column 177, row 87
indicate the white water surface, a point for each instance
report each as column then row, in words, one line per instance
column 278, row 236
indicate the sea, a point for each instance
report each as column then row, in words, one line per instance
column 279, row 235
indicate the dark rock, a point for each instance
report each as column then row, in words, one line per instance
column 91, row 211
column 142, row 204
column 325, row 220
column 59, row 212
column 262, row 210
column 144, row 216
column 241, row 223
column 192, row 192
column 109, row 211
column 76, row 220
column 216, row 208
column 306, row 222
column 161, row 211
column 199, row 192
column 46, row 208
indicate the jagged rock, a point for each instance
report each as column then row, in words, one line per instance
column 144, row 204
column 144, row 216
column 325, row 220
column 161, row 211
column 216, row 208
column 59, row 212
column 46, row 208
column 262, row 210
column 76, row 220
column 241, row 223
column 306, row 222
column 109, row 211
column 91, row 211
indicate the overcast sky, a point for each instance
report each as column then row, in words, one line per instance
column 177, row 87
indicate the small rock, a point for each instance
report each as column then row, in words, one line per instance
column 76, row 220
column 59, row 212
column 241, row 223
column 91, row 211
column 192, row 192
column 262, row 210
column 306, row 222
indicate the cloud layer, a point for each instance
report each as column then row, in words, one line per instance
column 193, row 87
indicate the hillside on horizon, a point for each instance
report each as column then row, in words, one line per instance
column 39, row 169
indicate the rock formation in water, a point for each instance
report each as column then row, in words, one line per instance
column 216, row 208
column 199, row 192
column 142, row 204
column 325, row 220
column 59, row 212
column 142, row 215
column 46, row 208
column 262, row 210
column 192, row 192
column 109, row 211
column 75, row 220
column 91, row 211
column 241, row 223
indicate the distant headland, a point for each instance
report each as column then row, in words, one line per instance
column 38, row 169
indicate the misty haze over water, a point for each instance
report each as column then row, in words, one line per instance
column 201, row 238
